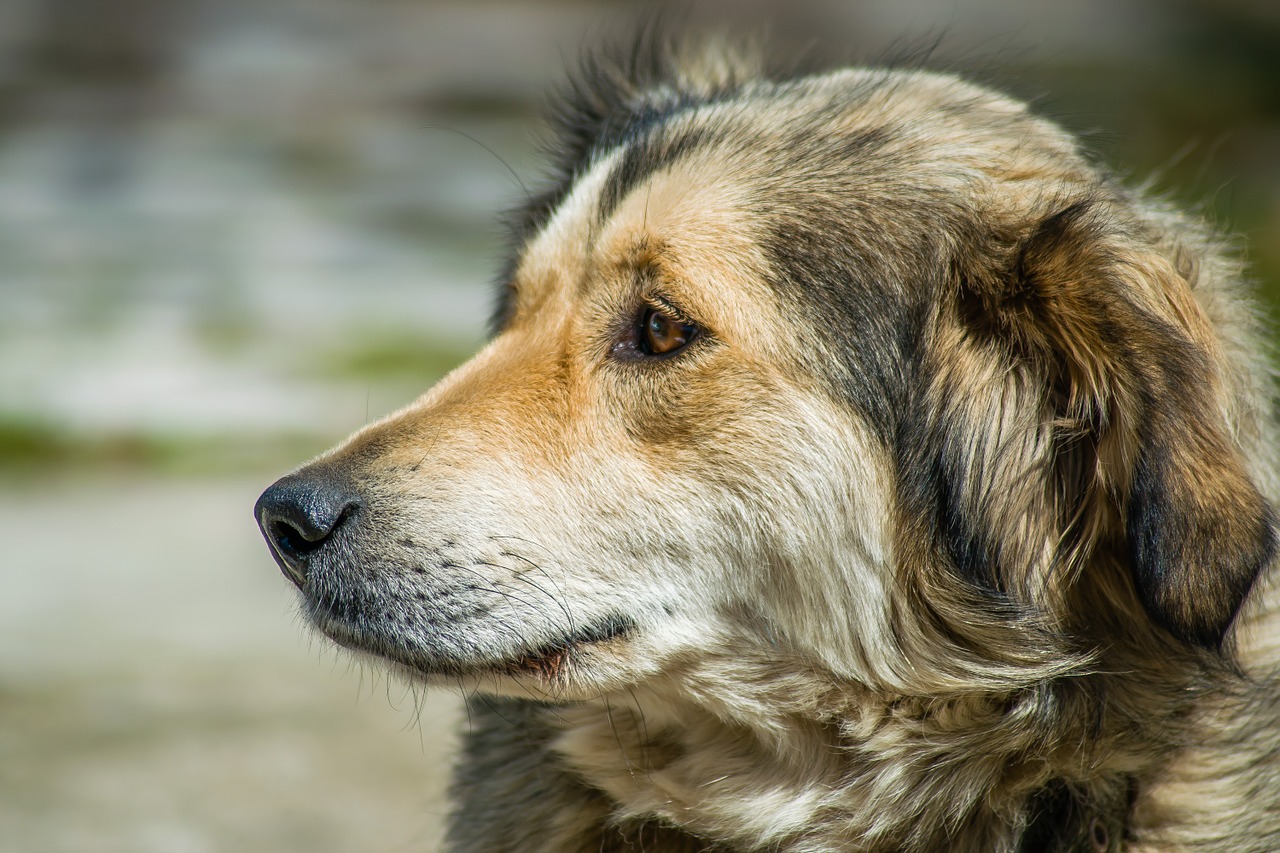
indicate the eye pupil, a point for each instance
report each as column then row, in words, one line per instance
column 664, row 334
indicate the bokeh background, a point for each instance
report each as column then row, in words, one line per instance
column 232, row 231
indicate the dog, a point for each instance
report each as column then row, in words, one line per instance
column 854, row 465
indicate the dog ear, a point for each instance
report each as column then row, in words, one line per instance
column 1127, row 351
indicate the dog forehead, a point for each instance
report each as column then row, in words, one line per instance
column 555, row 258
column 693, row 225
column 686, row 221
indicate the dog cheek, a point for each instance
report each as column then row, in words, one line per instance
column 808, row 520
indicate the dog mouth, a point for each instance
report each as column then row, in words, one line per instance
column 459, row 630
column 548, row 662
column 447, row 654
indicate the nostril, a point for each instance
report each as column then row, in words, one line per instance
column 291, row 541
column 299, row 514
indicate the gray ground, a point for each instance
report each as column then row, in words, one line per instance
column 159, row 693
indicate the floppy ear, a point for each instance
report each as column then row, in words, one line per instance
column 1130, row 353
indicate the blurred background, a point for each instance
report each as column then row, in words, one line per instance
column 232, row 231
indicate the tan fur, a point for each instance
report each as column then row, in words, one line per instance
column 735, row 599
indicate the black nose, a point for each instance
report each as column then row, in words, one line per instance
column 298, row 514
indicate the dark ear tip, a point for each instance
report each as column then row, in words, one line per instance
column 1207, row 627
column 1195, row 562
column 1211, row 637
column 1203, row 616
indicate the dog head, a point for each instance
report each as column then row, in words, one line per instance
column 867, row 371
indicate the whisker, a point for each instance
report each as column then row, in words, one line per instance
column 527, row 195
column 608, row 710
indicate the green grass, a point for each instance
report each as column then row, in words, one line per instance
column 31, row 448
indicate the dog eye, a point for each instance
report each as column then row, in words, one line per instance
column 663, row 334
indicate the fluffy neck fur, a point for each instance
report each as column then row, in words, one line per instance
column 789, row 759
column 743, row 751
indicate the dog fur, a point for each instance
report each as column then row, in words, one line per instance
column 948, row 527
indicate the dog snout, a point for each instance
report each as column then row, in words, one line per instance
column 300, row 513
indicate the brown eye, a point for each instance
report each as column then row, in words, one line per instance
column 663, row 334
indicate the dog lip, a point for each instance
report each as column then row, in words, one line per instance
column 545, row 661
column 548, row 660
